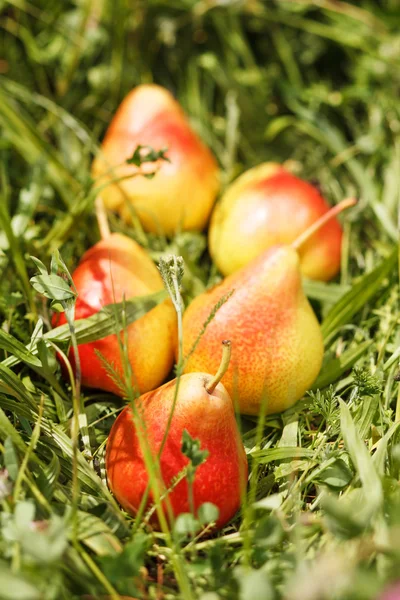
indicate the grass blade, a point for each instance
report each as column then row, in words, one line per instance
column 361, row 292
column 362, row 461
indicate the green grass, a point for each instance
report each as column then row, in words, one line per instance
column 313, row 83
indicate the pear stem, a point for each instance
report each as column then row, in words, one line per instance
column 223, row 367
column 319, row 223
column 101, row 217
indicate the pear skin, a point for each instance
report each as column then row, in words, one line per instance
column 115, row 269
column 208, row 417
column 277, row 345
column 267, row 206
column 182, row 193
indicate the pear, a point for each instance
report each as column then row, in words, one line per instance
column 114, row 269
column 182, row 193
column 277, row 341
column 204, row 408
column 267, row 206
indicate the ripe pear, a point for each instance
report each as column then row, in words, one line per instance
column 277, row 341
column 267, row 206
column 182, row 193
column 203, row 408
column 114, row 269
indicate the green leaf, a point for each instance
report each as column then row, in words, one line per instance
column 253, row 584
column 144, row 154
column 290, row 432
column 39, row 265
column 329, row 293
column 336, row 367
column 27, row 203
column 61, row 443
column 343, row 516
column 191, row 449
column 8, row 430
column 11, row 461
column 103, row 323
column 208, row 513
column 381, row 451
column 15, row 251
column 15, row 347
column 24, row 515
column 392, row 360
column 19, row 410
column 44, row 544
column 97, row 535
column 47, row 357
column 271, row 502
column 11, row 384
column 355, row 300
column 58, row 266
column 336, row 474
column 99, row 325
column 52, row 286
column 123, row 568
column 285, row 453
column 22, row 130
column 16, row 587
column 48, row 477
column 366, row 415
column 186, row 525
column 362, row 461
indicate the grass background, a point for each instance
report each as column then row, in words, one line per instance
column 313, row 83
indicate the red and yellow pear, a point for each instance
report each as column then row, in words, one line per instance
column 113, row 270
column 182, row 193
column 205, row 410
column 266, row 206
column 276, row 338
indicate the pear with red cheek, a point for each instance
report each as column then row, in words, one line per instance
column 267, row 206
column 203, row 408
column 277, row 341
column 182, row 193
column 114, row 269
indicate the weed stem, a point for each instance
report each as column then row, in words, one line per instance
column 102, row 220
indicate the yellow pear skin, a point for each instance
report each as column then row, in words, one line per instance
column 267, row 205
column 277, row 345
column 110, row 271
column 182, row 193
